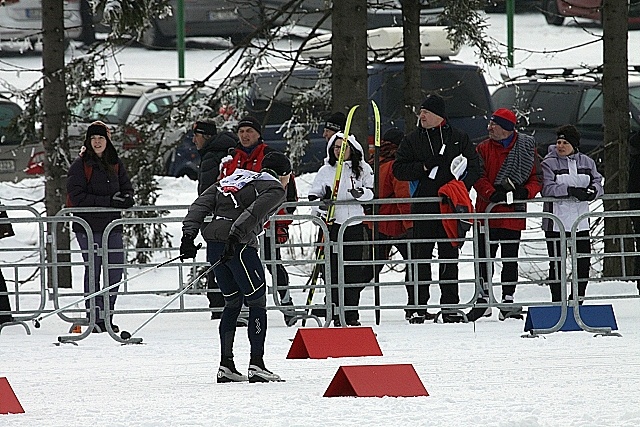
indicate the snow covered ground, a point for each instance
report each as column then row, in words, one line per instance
column 482, row 374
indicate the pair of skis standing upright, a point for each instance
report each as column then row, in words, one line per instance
column 320, row 253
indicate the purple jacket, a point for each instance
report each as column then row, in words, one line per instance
column 558, row 174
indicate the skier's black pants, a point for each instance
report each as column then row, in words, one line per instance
column 433, row 229
column 509, row 241
column 241, row 278
column 352, row 273
column 583, row 246
column 216, row 300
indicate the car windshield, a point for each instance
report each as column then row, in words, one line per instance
column 112, row 109
column 634, row 96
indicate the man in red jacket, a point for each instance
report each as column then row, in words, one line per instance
column 248, row 155
column 510, row 172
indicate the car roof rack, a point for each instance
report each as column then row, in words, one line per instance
column 151, row 85
column 581, row 72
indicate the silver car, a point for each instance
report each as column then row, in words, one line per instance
column 21, row 20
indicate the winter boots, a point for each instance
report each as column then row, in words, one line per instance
column 227, row 373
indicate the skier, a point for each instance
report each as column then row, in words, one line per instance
column 240, row 205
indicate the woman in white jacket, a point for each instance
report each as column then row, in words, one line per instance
column 573, row 178
column 356, row 184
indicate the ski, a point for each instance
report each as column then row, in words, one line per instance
column 330, row 212
column 376, row 191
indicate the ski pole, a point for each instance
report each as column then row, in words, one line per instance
column 36, row 322
column 127, row 336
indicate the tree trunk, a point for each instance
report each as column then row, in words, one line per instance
column 55, row 112
column 349, row 64
column 412, row 79
column 616, row 128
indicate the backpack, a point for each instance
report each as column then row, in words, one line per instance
column 88, row 171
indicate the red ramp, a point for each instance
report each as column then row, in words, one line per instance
column 376, row 381
column 321, row 343
column 9, row 403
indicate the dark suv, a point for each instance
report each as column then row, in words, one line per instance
column 547, row 98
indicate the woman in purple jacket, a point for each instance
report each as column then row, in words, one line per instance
column 573, row 178
column 98, row 178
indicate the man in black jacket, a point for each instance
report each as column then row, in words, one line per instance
column 424, row 159
column 212, row 147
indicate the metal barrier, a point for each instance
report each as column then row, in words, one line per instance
column 469, row 282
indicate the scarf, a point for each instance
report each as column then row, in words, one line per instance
column 519, row 161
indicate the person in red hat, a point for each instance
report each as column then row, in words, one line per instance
column 510, row 172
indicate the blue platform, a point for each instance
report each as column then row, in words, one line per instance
column 595, row 316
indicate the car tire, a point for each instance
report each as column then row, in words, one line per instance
column 551, row 13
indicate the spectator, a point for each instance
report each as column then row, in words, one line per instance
column 248, row 155
column 391, row 188
column 335, row 123
column 567, row 172
column 356, row 183
column 634, row 187
column 424, row 158
column 212, row 147
column 240, row 205
column 98, row 178
column 508, row 160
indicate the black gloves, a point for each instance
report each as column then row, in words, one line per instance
column 121, row 201
column 498, row 196
column 229, row 249
column 356, row 193
column 433, row 161
column 187, row 248
column 583, row 194
column 520, row 193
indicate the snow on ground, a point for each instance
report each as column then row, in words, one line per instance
column 482, row 374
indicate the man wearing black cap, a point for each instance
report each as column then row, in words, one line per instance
column 249, row 155
column 510, row 172
column 335, row 123
column 424, row 158
column 212, row 147
column 239, row 205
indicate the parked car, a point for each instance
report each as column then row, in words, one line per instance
column 555, row 11
column 121, row 104
column 547, row 98
column 236, row 19
column 17, row 160
column 22, row 19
